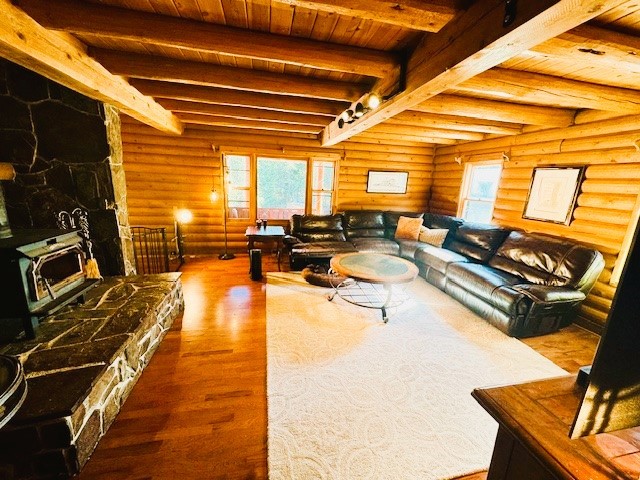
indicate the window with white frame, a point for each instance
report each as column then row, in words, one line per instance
column 479, row 190
column 323, row 173
column 238, row 185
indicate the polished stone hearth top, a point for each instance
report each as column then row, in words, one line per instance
column 80, row 368
column 74, row 345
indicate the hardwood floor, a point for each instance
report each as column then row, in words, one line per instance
column 199, row 409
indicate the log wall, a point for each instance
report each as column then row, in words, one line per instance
column 606, row 206
column 164, row 172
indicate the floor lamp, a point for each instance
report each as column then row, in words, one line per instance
column 226, row 255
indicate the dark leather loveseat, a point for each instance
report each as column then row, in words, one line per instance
column 525, row 284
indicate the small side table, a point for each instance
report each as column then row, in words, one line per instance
column 269, row 234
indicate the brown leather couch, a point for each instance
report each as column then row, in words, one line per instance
column 525, row 284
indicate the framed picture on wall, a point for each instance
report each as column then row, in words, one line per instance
column 553, row 193
column 387, row 182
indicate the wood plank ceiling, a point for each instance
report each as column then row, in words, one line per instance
column 448, row 70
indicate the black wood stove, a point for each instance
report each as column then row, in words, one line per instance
column 42, row 270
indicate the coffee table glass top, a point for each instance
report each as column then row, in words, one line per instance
column 374, row 267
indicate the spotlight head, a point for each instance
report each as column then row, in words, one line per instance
column 340, row 122
column 373, row 101
column 345, row 116
column 359, row 110
column 350, row 118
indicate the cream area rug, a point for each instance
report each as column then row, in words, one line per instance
column 350, row 397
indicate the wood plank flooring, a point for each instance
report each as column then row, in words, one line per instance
column 199, row 409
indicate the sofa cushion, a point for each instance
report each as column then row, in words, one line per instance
column 363, row 223
column 408, row 228
column 437, row 258
column 433, row 236
column 317, row 228
column 491, row 285
column 434, row 220
column 478, row 241
column 391, row 221
column 547, row 260
column 376, row 245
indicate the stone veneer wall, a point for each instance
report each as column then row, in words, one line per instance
column 80, row 369
column 67, row 153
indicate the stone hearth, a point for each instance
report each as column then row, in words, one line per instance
column 80, row 369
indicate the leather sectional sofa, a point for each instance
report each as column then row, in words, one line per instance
column 525, row 284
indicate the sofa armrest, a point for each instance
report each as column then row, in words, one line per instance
column 289, row 240
column 547, row 294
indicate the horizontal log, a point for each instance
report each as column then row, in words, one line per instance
column 602, row 215
column 608, row 156
column 615, row 172
column 610, row 202
column 152, row 67
column 611, row 187
column 594, row 314
column 239, row 98
column 128, row 25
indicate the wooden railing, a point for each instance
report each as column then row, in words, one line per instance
column 150, row 250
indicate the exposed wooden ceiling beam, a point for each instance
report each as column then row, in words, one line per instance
column 426, row 132
column 199, row 73
column 427, row 15
column 118, row 23
column 536, row 88
column 498, row 111
column 223, row 96
column 595, row 46
column 61, row 58
column 393, row 137
column 473, row 42
column 194, row 118
column 453, row 122
column 243, row 112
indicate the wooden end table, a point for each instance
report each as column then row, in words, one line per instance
column 371, row 278
column 269, row 234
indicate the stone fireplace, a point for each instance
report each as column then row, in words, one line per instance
column 85, row 358
column 67, row 153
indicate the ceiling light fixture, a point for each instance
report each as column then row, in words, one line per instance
column 369, row 102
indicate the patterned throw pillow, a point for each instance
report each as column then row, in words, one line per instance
column 408, row 228
column 433, row 236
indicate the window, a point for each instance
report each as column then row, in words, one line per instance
column 238, row 176
column 479, row 189
column 275, row 188
column 281, row 187
column 322, row 187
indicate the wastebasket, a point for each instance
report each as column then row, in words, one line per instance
column 255, row 261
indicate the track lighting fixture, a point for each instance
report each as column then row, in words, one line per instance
column 370, row 102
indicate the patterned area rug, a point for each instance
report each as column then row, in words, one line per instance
column 350, row 397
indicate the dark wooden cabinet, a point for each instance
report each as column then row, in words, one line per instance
column 533, row 436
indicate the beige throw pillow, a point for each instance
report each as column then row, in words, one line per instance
column 433, row 236
column 408, row 228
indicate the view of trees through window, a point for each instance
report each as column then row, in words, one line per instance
column 282, row 187
column 276, row 188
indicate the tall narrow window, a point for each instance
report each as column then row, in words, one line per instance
column 479, row 190
column 322, row 187
column 282, row 187
column 238, row 179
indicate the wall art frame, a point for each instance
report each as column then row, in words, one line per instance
column 553, row 193
column 380, row 181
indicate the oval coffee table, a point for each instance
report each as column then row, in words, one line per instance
column 371, row 278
